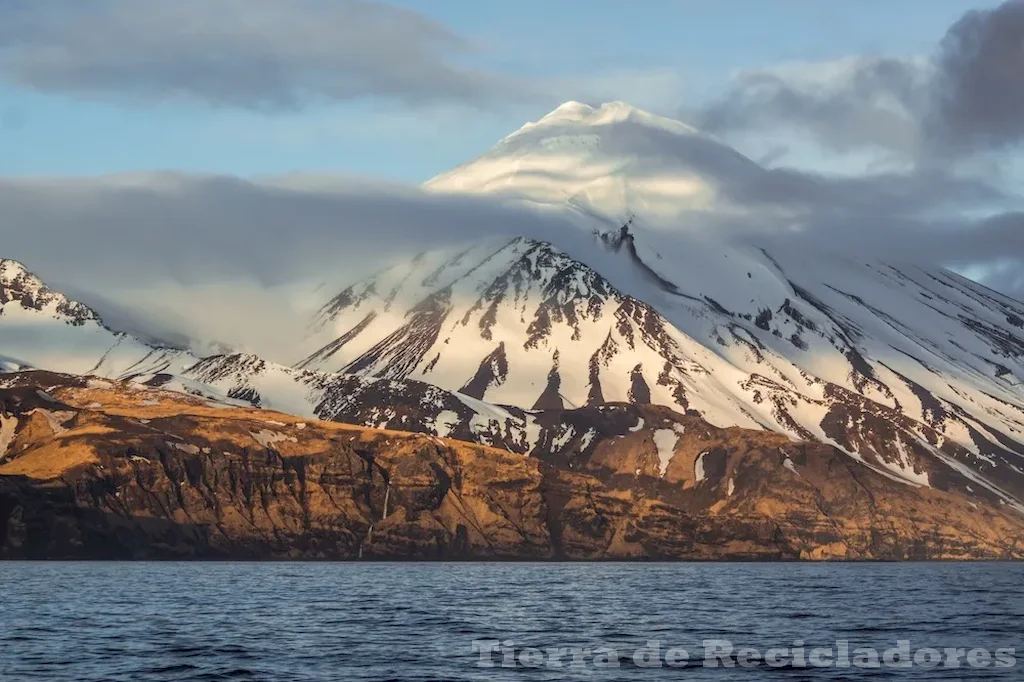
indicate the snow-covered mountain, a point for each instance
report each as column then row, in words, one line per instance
column 913, row 372
column 44, row 329
column 510, row 322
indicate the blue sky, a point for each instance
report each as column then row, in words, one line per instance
column 659, row 54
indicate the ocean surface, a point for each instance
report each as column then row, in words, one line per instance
column 278, row 622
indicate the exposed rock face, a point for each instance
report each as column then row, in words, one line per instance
column 95, row 469
column 149, row 473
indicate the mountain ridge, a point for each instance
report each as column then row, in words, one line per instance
column 115, row 470
column 917, row 449
column 912, row 373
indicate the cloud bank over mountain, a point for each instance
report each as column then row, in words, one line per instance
column 945, row 124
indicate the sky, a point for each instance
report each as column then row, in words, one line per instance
column 668, row 56
column 193, row 155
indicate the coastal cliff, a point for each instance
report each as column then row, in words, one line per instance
column 95, row 469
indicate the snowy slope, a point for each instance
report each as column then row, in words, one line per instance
column 45, row 329
column 518, row 323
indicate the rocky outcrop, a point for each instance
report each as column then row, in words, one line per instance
column 96, row 469
column 141, row 473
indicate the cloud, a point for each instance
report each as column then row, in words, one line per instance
column 947, row 123
column 193, row 228
column 844, row 105
column 215, row 257
column 256, row 54
column 979, row 88
column 967, row 97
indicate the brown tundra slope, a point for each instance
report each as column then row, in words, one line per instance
column 100, row 469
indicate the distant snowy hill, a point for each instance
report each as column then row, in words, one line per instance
column 45, row 329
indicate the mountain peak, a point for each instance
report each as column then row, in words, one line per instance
column 609, row 113
column 570, row 109
column 584, row 113
column 11, row 270
column 18, row 283
column 611, row 161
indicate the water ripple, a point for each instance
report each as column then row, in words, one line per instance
column 284, row 622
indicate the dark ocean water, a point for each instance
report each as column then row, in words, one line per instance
column 76, row 622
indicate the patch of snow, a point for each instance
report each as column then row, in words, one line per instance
column 698, row 467
column 904, row 466
column 445, row 423
column 565, row 434
column 56, row 420
column 8, row 427
column 266, row 438
column 665, row 440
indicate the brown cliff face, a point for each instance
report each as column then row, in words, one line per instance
column 95, row 469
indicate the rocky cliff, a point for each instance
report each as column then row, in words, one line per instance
column 102, row 469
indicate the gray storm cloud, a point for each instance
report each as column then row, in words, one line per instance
column 979, row 88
